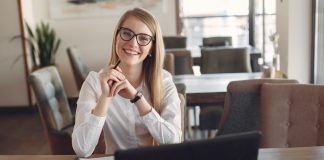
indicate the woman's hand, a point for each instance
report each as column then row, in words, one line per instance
column 123, row 88
column 108, row 78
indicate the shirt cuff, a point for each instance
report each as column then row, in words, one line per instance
column 96, row 120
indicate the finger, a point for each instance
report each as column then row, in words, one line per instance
column 110, row 83
column 118, row 74
column 119, row 69
column 115, row 87
column 103, row 77
column 113, row 78
column 122, row 85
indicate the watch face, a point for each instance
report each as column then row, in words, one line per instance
column 140, row 93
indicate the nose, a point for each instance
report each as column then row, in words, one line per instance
column 133, row 41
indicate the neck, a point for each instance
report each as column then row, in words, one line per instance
column 133, row 74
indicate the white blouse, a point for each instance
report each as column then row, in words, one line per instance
column 123, row 127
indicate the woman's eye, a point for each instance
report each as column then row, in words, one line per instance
column 127, row 33
column 144, row 38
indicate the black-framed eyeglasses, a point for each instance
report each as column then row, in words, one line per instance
column 141, row 38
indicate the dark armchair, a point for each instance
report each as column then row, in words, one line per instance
column 242, row 105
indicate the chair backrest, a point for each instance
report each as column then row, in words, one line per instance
column 217, row 41
column 242, row 105
column 51, row 98
column 292, row 115
column 182, row 61
column 181, row 88
column 169, row 63
column 79, row 68
column 175, row 42
column 225, row 60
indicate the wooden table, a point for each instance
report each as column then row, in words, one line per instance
column 210, row 88
column 301, row 153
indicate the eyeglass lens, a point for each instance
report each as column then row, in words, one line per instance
column 141, row 38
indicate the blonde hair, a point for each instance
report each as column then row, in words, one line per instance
column 152, row 66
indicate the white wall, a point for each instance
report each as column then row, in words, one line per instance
column 294, row 27
column 93, row 36
column 13, row 88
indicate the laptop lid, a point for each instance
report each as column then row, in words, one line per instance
column 238, row 146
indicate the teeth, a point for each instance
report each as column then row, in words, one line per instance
column 130, row 52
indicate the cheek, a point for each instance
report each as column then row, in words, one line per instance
column 147, row 50
column 118, row 46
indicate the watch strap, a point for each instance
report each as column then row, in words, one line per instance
column 138, row 96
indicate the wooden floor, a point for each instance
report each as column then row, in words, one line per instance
column 21, row 133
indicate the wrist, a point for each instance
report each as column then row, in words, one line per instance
column 103, row 98
column 101, row 107
column 138, row 96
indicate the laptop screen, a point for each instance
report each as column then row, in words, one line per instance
column 238, row 146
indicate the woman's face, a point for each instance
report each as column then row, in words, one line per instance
column 133, row 42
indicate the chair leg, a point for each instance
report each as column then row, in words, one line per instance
column 189, row 129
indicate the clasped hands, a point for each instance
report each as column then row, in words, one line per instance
column 114, row 82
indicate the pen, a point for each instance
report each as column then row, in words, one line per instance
column 116, row 64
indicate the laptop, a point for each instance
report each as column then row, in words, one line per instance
column 238, row 146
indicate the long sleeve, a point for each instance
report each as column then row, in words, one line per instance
column 87, row 127
column 166, row 128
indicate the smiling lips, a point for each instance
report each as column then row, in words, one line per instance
column 131, row 51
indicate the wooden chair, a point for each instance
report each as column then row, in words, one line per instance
column 225, row 60
column 79, row 68
column 217, row 41
column 169, row 63
column 292, row 115
column 54, row 110
column 220, row 60
column 175, row 42
column 182, row 61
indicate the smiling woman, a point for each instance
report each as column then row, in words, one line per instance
column 135, row 103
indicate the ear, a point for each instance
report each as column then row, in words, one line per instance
column 152, row 50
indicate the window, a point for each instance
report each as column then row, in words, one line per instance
column 207, row 18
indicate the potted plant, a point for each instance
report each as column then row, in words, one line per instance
column 43, row 45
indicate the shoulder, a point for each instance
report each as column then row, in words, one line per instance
column 166, row 76
column 167, row 81
column 93, row 80
column 93, row 76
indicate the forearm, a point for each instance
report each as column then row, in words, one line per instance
column 86, row 135
column 102, row 106
column 162, row 130
column 87, row 131
column 143, row 106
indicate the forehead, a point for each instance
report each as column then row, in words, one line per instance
column 136, row 25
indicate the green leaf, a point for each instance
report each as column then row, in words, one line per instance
column 43, row 44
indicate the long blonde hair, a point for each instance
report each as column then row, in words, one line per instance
column 152, row 66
